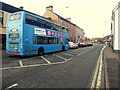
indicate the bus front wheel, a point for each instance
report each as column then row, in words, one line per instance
column 40, row 51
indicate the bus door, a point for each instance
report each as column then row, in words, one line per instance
column 34, row 51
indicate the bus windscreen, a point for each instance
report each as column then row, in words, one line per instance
column 15, row 17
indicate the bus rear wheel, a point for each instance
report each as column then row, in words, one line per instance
column 63, row 48
column 40, row 51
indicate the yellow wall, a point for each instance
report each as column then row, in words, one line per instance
column 5, row 16
column 54, row 18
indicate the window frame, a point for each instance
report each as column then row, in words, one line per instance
column 1, row 20
column 47, row 40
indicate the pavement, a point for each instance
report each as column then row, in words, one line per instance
column 111, row 68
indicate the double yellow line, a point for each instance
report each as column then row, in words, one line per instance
column 96, row 82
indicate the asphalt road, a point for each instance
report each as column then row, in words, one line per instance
column 73, row 68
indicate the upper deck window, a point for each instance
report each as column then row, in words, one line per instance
column 15, row 16
column 44, row 23
column 1, row 18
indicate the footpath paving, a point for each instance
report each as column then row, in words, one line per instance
column 111, row 62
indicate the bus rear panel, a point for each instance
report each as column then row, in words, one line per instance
column 14, row 34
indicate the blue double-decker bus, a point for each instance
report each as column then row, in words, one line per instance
column 29, row 34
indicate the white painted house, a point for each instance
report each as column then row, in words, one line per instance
column 115, row 29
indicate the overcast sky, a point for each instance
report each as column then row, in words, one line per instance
column 94, row 16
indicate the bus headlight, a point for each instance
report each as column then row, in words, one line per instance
column 14, row 30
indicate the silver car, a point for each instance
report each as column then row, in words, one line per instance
column 73, row 45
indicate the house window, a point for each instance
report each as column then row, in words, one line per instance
column 65, row 23
column 1, row 18
column 61, row 21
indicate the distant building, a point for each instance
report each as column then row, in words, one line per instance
column 87, row 40
column 106, row 39
column 115, row 29
column 98, row 40
column 76, row 34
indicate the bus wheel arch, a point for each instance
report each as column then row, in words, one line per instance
column 41, row 51
column 63, row 48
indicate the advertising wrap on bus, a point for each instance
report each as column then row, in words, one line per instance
column 47, row 32
column 40, row 31
column 50, row 33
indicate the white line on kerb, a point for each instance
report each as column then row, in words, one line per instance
column 60, row 57
column 45, row 59
column 14, row 85
column 21, row 64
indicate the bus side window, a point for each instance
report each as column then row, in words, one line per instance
column 34, row 39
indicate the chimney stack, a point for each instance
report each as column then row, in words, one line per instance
column 69, row 19
column 49, row 8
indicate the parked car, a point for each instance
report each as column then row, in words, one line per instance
column 90, row 44
column 72, row 45
column 81, row 44
column 87, row 44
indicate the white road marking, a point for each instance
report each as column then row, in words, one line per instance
column 45, row 59
column 73, row 53
column 81, row 53
column 78, row 54
column 67, row 54
column 60, row 57
column 14, row 85
column 21, row 64
column 70, row 59
column 39, row 64
column 33, row 65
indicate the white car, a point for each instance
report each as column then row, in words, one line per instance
column 72, row 45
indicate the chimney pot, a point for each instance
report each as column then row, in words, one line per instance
column 49, row 8
column 69, row 19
